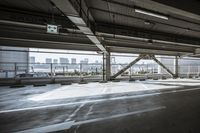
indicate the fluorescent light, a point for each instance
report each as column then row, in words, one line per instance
column 151, row 14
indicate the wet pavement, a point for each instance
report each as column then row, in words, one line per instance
column 167, row 106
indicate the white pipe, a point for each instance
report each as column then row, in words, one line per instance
column 143, row 39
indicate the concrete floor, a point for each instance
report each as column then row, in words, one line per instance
column 167, row 106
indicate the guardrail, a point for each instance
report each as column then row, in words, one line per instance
column 10, row 70
column 151, row 70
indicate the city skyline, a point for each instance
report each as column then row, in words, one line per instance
column 40, row 57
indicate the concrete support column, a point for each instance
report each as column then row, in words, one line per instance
column 176, row 67
column 51, row 69
column 106, row 67
column 15, row 67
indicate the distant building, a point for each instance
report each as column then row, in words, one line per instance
column 73, row 60
column 96, row 62
column 85, row 61
column 32, row 59
column 48, row 60
column 13, row 62
column 84, row 65
column 64, row 60
column 55, row 61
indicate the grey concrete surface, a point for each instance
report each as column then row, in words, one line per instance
column 161, row 106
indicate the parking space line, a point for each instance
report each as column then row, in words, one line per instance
column 98, row 100
column 69, row 124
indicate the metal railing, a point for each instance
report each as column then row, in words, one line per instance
column 10, row 70
column 185, row 70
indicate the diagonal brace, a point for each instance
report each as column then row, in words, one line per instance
column 161, row 64
column 128, row 66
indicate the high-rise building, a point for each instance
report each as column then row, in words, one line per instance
column 85, row 61
column 55, row 61
column 73, row 60
column 48, row 60
column 84, row 66
column 96, row 62
column 32, row 59
column 64, row 60
column 13, row 62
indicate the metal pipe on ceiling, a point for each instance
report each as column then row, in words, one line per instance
column 48, row 52
column 156, row 46
column 30, row 25
column 144, row 51
column 143, row 39
column 98, row 33
column 42, row 41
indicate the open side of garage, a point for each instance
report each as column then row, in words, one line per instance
column 146, row 78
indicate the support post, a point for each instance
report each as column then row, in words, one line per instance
column 108, row 66
column 176, row 67
column 51, row 67
column 128, row 66
column 157, row 61
column 15, row 67
column 104, row 77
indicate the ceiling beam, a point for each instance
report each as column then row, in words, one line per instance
column 117, row 36
column 74, row 11
column 31, row 43
column 142, row 33
column 145, row 51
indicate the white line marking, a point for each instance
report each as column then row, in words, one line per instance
column 74, row 113
column 50, row 128
column 69, row 124
column 98, row 100
column 119, row 115
column 89, row 111
column 81, row 102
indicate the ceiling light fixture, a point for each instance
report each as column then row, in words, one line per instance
column 151, row 14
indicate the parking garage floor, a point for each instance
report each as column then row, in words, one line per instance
column 167, row 106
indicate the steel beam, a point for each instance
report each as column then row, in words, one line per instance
column 162, row 65
column 132, row 38
column 75, row 13
column 128, row 66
